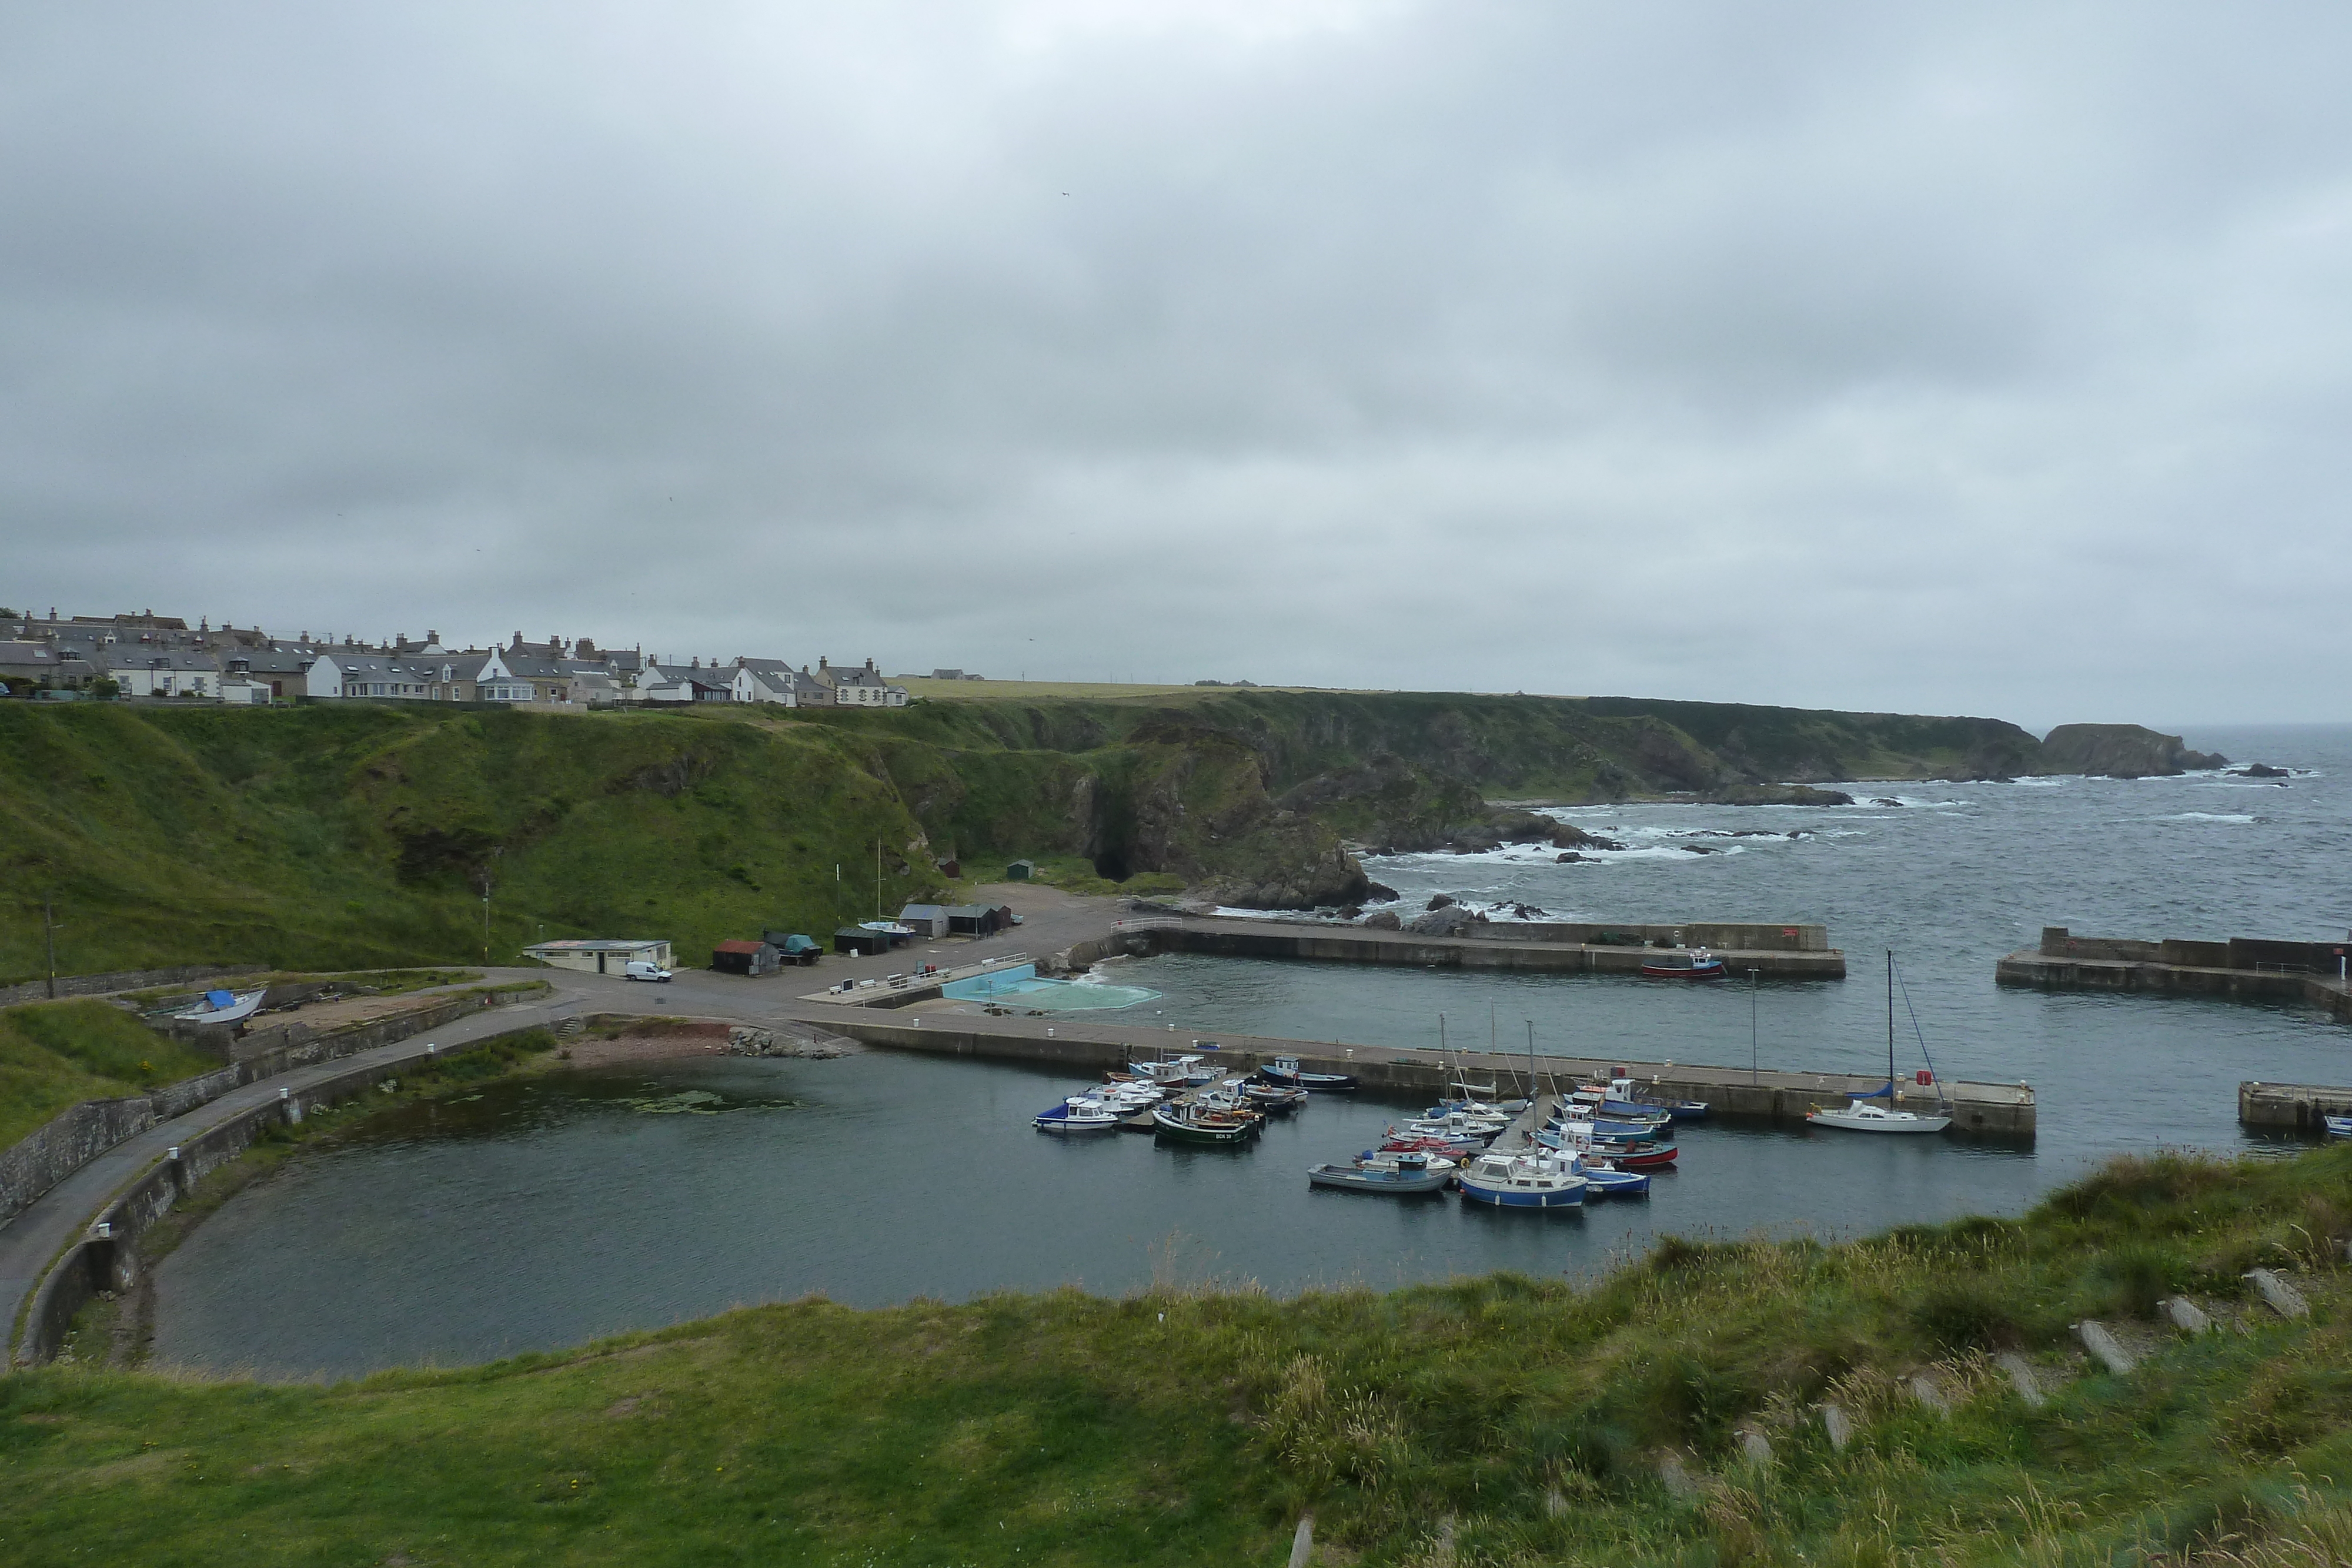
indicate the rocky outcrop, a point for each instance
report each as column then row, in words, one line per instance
column 1775, row 795
column 2120, row 751
column 1383, row 920
column 2258, row 770
column 1450, row 921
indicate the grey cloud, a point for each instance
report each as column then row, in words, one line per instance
column 1986, row 361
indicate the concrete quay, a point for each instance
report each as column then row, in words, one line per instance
column 2243, row 970
column 1995, row 1111
column 2291, row 1107
column 1556, row 949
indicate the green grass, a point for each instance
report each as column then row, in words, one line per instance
column 1495, row 1420
column 362, row 835
column 53, row 1055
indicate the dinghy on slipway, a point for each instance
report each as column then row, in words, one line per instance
column 223, row 1007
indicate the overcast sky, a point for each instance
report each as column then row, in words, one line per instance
column 1990, row 359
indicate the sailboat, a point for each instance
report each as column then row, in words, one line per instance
column 1859, row 1115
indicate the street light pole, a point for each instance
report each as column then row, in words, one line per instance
column 49, row 935
column 1754, row 1074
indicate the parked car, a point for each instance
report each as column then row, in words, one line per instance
column 638, row 969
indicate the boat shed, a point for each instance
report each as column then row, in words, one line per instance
column 858, row 940
column 1021, row 871
column 928, row 919
column 974, row 920
column 746, row 958
column 600, row 954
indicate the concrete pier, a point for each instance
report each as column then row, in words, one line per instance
column 1775, row 952
column 2240, row 968
column 1994, row 1111
column 2291, row 1107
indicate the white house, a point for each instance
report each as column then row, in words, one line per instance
column 345, row 674
column 175, row 673
column 766, row 681
column 497, row 682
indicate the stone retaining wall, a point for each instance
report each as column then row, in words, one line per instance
column 123, row 980
column 106, row 1257
column 66, row 1142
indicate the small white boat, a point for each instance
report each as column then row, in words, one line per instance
column 223, row 1007
column 1862, row 1116
column 1077, row 1114
column 2338, row 1126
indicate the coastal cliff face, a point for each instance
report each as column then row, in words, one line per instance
column 360, row 835
column 2120, row 751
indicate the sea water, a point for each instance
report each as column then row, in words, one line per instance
column 533, row 1215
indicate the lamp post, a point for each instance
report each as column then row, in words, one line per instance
column 1754, row 1074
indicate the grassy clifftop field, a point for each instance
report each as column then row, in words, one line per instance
column 357, row 835
column 1503, row 1420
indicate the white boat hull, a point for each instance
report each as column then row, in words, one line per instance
column 1871, row 1119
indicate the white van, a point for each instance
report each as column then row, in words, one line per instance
column 638, row 969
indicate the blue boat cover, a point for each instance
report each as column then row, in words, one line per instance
column 220, row 1000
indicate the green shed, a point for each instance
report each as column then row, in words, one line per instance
column 1021, row 871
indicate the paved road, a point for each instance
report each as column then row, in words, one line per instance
column 30, row 1241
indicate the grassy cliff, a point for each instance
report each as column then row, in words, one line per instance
column 361, row 834
column 1502, row 1420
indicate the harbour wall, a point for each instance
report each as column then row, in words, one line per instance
column 2291, row 1107
column 1357, row 944
column 105, row 1257
column 1994, row 1111
column 2243, row 968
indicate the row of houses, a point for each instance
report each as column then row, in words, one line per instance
column 147, row 655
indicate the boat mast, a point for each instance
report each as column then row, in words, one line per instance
column 1890, row 1029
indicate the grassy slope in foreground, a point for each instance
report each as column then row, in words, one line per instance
column 1193, row 1426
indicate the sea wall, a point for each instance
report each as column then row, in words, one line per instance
column 1478, row 948
column 68, row 1140
column 1993, row 1110
column 106, row 1256
column 2244, row 968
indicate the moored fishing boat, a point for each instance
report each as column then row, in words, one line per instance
column 1284, row 1073
column 1682, row 964
column 1626, row 1094
column 1268, row 1098
column 1396, row 1175
column 1078, row 1113
column 1398, row 1141
column 1522, row 1181
column 1188, row 1123
column 1628, row 1154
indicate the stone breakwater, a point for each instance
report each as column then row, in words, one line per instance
column 2243, row 968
